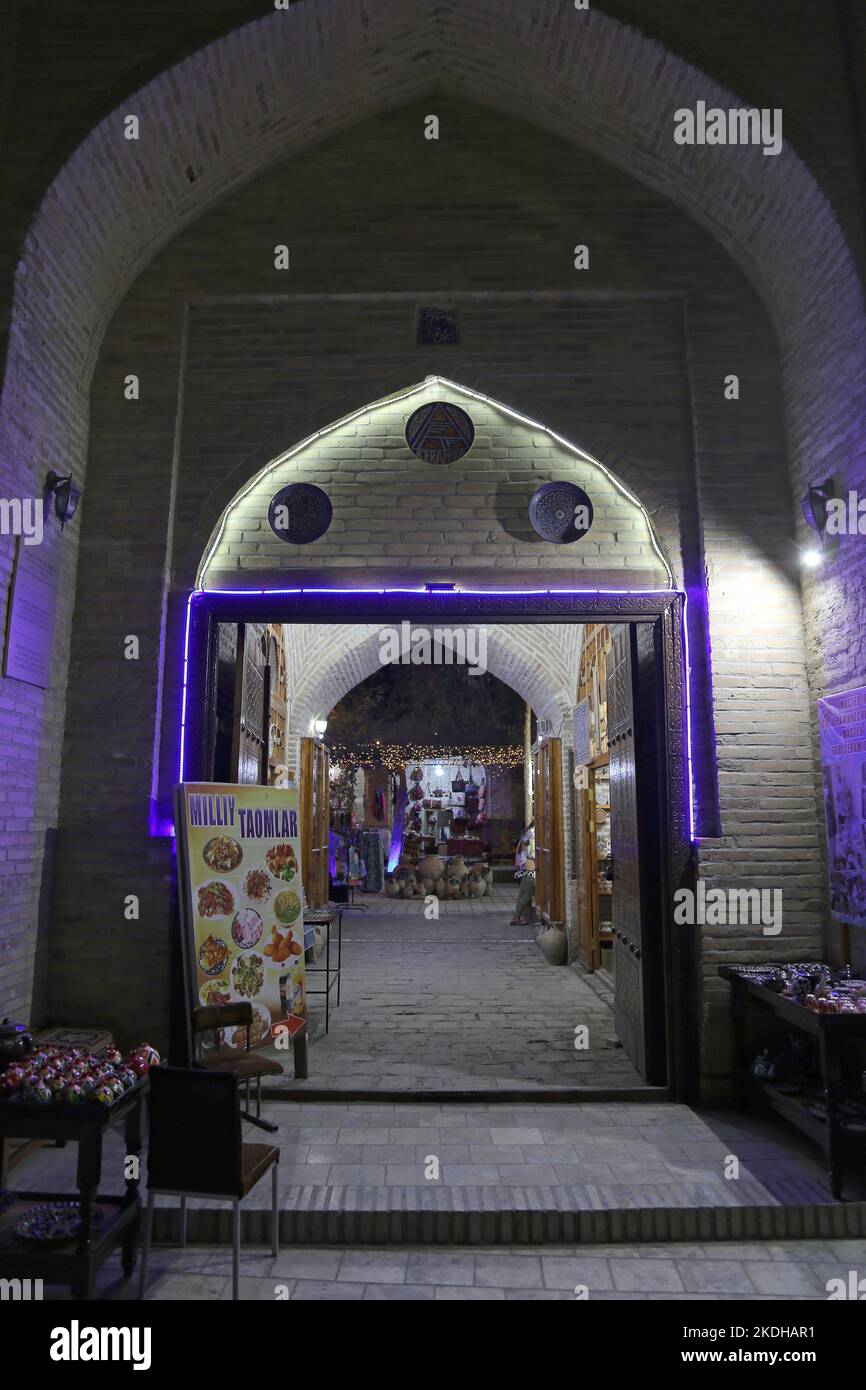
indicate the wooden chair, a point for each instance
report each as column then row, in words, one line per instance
column 246, row 1066
column 195, row 1150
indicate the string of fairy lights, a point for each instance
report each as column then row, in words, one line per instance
column 394, row 757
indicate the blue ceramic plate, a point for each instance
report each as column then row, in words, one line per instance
column 553, row 511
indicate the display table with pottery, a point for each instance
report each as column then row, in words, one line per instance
column 65, row 1246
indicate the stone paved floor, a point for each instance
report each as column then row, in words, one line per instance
column 783, row 1271
column 465, row 1003
column 610, row 1155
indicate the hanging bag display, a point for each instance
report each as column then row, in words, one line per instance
column 459, row 783
column 471, row 788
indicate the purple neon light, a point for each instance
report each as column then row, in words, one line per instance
column 449, row 593
column 691, row 795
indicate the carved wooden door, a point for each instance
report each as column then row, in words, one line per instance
column 633, row 737
column 549, row 856
column 626, row 907
column 250, row 741
column 315, row 821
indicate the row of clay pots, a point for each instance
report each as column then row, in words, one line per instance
column 432, row 877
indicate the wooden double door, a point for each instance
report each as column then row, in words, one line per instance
column 633, row 712
column 549, row 842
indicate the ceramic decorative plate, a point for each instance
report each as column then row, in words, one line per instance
column 53, row 1223
column 300, row 513
column 439, row 432
column 560, row 513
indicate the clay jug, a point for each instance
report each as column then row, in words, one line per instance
column 458, row 867
column 552, row 942
column 432, row 866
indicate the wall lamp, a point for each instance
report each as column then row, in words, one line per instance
column 66, row 497
column 320, row 725
column 814, row 506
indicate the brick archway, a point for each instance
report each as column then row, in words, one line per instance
column 539, row 663
column 275, row 86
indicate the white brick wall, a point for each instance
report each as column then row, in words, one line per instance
column 393, row 508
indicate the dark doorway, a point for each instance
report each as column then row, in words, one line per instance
column 650, row 774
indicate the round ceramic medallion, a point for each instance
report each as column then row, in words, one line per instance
column 300, row 513
column 560, row 513
column 439, row 432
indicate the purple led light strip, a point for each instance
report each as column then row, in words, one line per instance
column 446, row 593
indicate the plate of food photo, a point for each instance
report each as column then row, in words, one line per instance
column 257, row 886
column 215, row 993
column 213, row 954
column 248, row 976
column 222, row 854
column 260, row 1029
column 283, row 949
column 215, row 899
column 247, row 927
column 287, row 907
column 282, row 862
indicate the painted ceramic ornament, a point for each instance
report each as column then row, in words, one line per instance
column 104, row 1095
column 128, row 1077
column 39, row 1092
column 300, row 513
column 113, row 1055
column 73, row 1094
column 137, row 1063
column 439, row 432
column 560, row 512
column 87, row 1086
column 150, row 1054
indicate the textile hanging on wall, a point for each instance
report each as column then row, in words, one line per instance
column 370, row 847
column 842, row 722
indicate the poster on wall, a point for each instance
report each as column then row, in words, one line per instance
column 30, row 620
column 242, row 903
column 842, row 723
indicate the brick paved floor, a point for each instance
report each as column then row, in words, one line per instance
column 782, row 1271
column 464, row 1003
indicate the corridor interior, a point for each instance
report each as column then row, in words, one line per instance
column 465, row 1003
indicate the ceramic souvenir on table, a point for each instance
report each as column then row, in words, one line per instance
column 15, row 1043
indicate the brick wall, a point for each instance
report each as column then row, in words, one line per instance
column 629, row 366
column 616, row 369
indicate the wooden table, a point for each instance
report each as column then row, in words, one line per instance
column 86, row 1123
column 831, row 1032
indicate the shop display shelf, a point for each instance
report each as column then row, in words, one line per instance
column 73, row 1263
column 840, row 1142
column 85, row 1124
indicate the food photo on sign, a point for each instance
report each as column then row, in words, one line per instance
column 243, row 903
